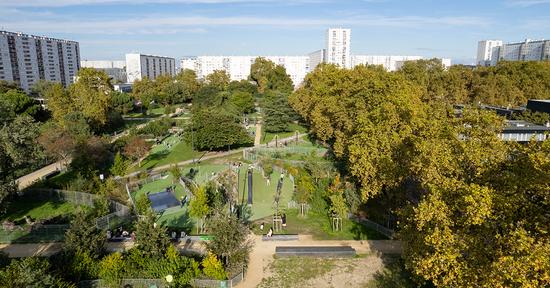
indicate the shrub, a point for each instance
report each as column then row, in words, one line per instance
column 111, row 269
column 213, row 268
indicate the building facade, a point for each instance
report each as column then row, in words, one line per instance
column 316, row 58
column 26, row 59
column 139, row 66
column 339, row 47
column 238, row 67
column 115, row 69
column 492, row 51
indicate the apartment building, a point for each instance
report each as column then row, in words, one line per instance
column 115, row 69
column 238, row 67
column 26, row 59
column 492, row 51
column 338, row 47
column 139, row 66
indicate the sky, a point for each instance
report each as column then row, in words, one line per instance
column 108, row 29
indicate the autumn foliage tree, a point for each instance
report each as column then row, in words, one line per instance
column 136, row 149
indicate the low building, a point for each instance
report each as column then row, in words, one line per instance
column 539, row 105
column 115, row 69
column 523, row 131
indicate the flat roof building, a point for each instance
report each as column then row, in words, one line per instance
column 492, row 51
column 115, row 69
column 26, row 59
column 139, row 66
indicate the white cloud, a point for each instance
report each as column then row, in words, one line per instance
column 62, row 3
column 158, row 24
column 527, row 3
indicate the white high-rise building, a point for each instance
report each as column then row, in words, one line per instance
column 115, row 69
column 489, row 52
column 25, row 59
column 485, row 51
column 316, row 58
column 338, row 47
column 140, row 65
column 238, row 67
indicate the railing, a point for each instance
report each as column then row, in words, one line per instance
column 37, row 232
column 161, row 283
column 376, row 227
column 207, row 283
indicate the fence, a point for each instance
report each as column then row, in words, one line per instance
column 376, row 227
column 253, row 153
column 37, row 232
column 32, row 234
column 207, row 283
column 134, row 283
column 161, row 283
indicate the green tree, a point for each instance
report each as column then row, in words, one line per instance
column 230, row 241
column 122, row 102
column 151, row 239
column 277, row 113
column 176, row 173
column 218, row 79
column 120, row 165
column 244, row 101
column 91, row 95
column 18, row 103
column 30, row 272
column 189, row 80
column 143, row 205
column 304, row 190
column 83, row 236
column 216, row 130
column 145, row 91
column 198, row 207
column 259, row 73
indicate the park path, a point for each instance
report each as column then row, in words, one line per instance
column 263, row 251
column 27, row 180
column 258, row 135
column 211, row 155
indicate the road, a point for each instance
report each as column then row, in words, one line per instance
column 258, row 135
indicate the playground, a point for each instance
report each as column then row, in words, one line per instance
column 177, row 216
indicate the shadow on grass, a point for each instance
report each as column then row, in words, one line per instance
column 179, row 222
column 394, row 275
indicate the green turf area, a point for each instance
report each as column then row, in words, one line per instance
column 268, row 137
column 320, row 227
column 262, row 196
column 162, row 155
column 37, row 210
column 159, row 186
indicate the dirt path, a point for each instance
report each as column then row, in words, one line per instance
column 263, row 251
column 258, row 135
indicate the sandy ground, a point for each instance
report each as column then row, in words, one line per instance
column 263, row 251
column 258, row 135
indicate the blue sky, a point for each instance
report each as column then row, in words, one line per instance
column 107, row 29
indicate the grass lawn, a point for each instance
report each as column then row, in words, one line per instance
column 320, row 227
column 158, row 186
column 37, row 210
column 162, row 155
column 296, row 271
column 268, row 137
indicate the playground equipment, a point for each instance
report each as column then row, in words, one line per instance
column 277, row 220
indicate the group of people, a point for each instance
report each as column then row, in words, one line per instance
column 174, row 235
column 120, row 235
column 270, row 231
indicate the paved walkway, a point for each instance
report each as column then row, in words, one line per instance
column 258, row 135
column 263, row 251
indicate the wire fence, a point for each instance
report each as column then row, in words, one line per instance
column 35, row 232
column 252, row 154
column 134, row 283
column 376, row 227
column 210, row 283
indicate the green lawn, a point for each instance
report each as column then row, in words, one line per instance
column 37, row 210
column 268, row 137
column 320, row 227
column 162, row 155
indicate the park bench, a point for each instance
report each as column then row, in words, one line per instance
column 315, row 251
column 280, row 237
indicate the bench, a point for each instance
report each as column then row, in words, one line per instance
column 279, row 237
column 315, row 251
